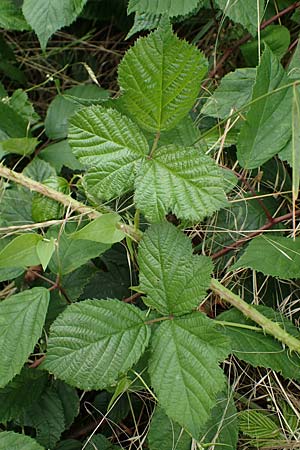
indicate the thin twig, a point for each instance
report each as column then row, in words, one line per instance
column 244, row 240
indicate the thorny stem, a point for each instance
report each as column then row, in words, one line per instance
column 268, row 326
column 65, row 200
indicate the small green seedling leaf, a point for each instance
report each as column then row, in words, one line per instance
column 45, row 250
column 21, row 251
column 103, row 229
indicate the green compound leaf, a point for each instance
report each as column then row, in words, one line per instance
column 182, row 180
column 272, row 255
column 94, row 341
column 184, row 369
column 25, row 247
column 234, row 92
column 48, row 16
column 268, row 123
column 164, row 434
column 161, row 76
column 22, row 317
column 259, row 349
column 245, row 13
column 15, row 441
column 174, row 279
column 170, row 7
column 110, row 145
column 103, row 229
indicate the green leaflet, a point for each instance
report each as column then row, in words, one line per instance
column 25, row 246
column 182, row 180
column 111, row 338
column 70, row 253
column 103, row 229
column 234, row 92
column 48, row 16
column 259, row 349
column 47, row 417
column 143, row 21
column 22, row 317
column 99, row 441
column 110, row 145
column 276, row 37
column 63, row 107
column 170, row 7
column 45, row 250
column 184, row 369
column 39, row 170
column 268, row 123
column 15, row 441
column 260, row 427
column 20, row 146
column 245, row 13
column 272, row 255
column 160, row 78
column 59, row 155
column 164, row 434
column 173, row 278
column 24, row 390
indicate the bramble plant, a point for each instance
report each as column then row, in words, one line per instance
column 140, row 185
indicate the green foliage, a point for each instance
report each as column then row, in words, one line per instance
column 260, row 427
column 185, row 355
column 107, row 327
column 276, row 37
column 22, row 317
column 170, row 7
column 165, row 434
column 272, row 255
column 232, row 94
column 175, row 69
column 71, row 253
column 103, row 229
column 25, row 246
column 48, row 16
column 118, row 301
column 174, row 279
column 256, row 348
column 247, row 14
column 15, row 441
column 268, row 123
column 11, row 17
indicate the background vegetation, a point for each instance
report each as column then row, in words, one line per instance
column 78, row 227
